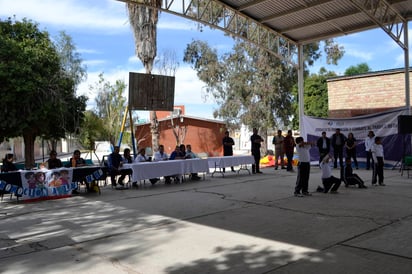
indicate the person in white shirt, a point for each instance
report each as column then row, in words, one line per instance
column 191, row 155
column 161, row 155
column 141, row 157
column 369, row 141
column 329, row 181
column 302, row 181
column 377, row 155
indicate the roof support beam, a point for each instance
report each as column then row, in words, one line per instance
column 223, row 17
column 380, row 12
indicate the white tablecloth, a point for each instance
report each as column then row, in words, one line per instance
column 228, row 161
column 148, row 170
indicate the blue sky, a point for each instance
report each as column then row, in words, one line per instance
column 103, row 37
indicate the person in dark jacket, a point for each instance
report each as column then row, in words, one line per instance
column 53, row 162
column 8, row 164
column 323, row 145
column 115, row 163
column 338, row 142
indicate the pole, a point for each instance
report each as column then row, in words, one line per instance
column 132, row 134
column 123, row 125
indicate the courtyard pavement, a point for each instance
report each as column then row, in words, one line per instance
column 238, row 223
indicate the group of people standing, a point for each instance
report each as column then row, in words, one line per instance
column 339, row 142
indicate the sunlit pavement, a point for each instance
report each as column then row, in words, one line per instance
column 239, row 223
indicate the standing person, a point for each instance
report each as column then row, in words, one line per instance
column 377, row 155
column 8, row 163
column 338, row 142
column 53, row 162
column 256, row 141
column 302, row 181
column 228, row 144
column 277, row 141
column 369, row 141
column 350, row 146
column 323, row 145
column 289, row 145
column 329, row 181
column 115, row 163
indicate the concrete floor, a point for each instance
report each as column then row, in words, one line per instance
column 239, row 223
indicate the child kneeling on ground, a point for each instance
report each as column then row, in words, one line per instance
column 329, row 181
column 350, row 178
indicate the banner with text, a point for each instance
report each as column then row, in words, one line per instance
column 47, row 184
column 383, row 124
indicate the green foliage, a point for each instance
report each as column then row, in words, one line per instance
column 358, row 69
column 92, row 130
column 110, row 106
column 316, row 96
column 38, row 98
column 253, row 87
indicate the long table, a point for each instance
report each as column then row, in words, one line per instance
column 148, row 170
column 218, row 163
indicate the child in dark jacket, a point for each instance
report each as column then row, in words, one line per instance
column 350, row 178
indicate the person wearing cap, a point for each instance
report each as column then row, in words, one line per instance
column 53, row 162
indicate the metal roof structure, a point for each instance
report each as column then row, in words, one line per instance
column 306, row 21
column 282, row 27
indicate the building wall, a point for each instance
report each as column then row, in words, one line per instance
column 366, row 94
column 204, row 136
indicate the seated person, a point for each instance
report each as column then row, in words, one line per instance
column 141, row 157
column 54, row 162
column 77, row 161
column 115, row 163
column 329, row 181
column 161, row 155
column 127, row 159
column 178, row 154
column 191, row 155
column 350, row 178
column 8, row 164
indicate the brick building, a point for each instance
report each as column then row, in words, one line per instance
column 204, row 135
column 366, row 93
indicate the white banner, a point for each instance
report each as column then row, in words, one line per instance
column 384, row 125
column 47, row 184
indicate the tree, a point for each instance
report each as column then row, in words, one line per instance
column 358, row 69
column 316, row 96
column 110, row 105
column 143, row 20
column 38, row 98
column 93, row 129
column 73, row 69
